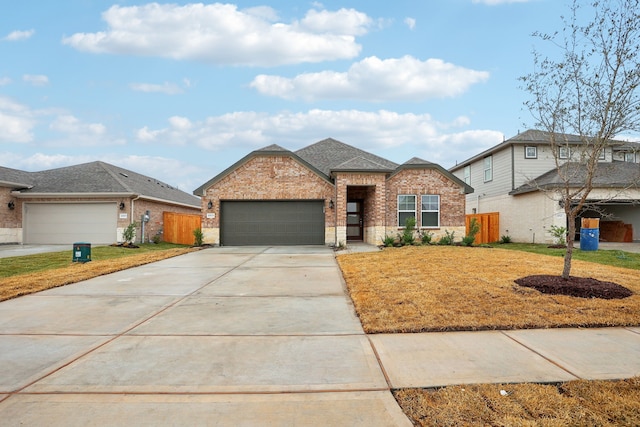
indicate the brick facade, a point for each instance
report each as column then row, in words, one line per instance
column 270, row 177
column 281, row 177
column 11, row 230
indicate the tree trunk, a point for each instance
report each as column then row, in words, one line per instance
column 571, row 233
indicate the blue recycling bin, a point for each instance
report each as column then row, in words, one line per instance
column 589, row 238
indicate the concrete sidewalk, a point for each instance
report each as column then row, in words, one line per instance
column 253, row 336
column 223, row 336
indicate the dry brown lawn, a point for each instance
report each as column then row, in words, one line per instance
column 440, row 288
column 15, row 286
column 575, row 403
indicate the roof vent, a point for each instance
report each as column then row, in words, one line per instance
column 124, row 174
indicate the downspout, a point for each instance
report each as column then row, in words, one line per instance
column 131, row 220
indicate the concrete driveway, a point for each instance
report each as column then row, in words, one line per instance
column 223, row 336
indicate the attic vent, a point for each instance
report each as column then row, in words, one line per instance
column 124, row 174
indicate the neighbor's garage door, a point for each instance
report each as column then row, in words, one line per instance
column 294, row 222
column 56, row 223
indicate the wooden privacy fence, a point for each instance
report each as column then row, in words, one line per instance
column 178, row 227
column 489, row 227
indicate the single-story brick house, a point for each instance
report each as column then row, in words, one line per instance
column 92, row 202
column 327, row 193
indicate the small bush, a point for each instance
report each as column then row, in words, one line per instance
column 505, row 239
column 448, row 238
column 199, row 237
column 388, row 241
column 560, row 233
column 157, row 239
column 129, row 233
column 426, row 237
column 474, row 229
column 407, row 236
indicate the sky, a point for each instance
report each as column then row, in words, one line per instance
column 180, row 91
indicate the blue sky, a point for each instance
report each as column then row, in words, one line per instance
column 180, row 91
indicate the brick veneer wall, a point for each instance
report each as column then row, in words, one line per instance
column 269, row 177
column 11, row 220
column 422, row 182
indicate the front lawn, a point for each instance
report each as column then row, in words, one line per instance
column 24, row 275
column 445, row 288
column 449, row 288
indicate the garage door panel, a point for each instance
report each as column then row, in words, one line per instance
column 57, row 223
column 272, row 222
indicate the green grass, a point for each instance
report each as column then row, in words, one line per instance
column 13, row 266
column 614, row 258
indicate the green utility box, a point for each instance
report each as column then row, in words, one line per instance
column 81, row 252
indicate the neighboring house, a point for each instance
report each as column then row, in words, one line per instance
column 510, row 177
column 92, row 202
column 327, row 193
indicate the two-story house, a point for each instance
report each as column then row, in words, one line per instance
column 517, row 176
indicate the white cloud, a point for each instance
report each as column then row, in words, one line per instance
column 36, row 79
column 19, row 35
column 411, row 23
column 16, row 122
column 78, row 133
column 436, row 141
column 374, row 79
column 4, row 81
column 166, row 88
column 222, row 34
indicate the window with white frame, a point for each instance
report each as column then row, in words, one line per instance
column 406, row 208
column 602, row 155
column 530, row 152
column 488, row 168
column 430, row 211
column 564, row 152
column 467, row 174
column 630, row 157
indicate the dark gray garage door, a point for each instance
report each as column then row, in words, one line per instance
column 291, row 222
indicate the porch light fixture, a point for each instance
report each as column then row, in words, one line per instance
column 121, row 205
column 210, row 204
column 331, row 205
column 11, row 205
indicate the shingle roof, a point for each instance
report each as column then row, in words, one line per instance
column 330, row 154
column 15, row 178
column 615, row 174
column 100, row 177
column 534, row 136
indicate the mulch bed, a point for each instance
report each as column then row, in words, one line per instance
column 581, row 287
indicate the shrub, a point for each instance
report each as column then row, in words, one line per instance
column 407, row 237
column 560, row 233
column 199, row 237
column 388, row 241
column 448, row 238
column 425, row 237
column 157, row 239
column 474, row 229
column 505, row 239
column 129, row 233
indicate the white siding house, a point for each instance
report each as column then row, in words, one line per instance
column 526, row 212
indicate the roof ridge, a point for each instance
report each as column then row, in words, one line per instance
column 114, row 175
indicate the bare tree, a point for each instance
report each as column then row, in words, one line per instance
column 587, row 86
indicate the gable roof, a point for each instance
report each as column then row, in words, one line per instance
column 418, row 163
column 615, row 174
column 534, row 136
column 14, row 178
column 271, row 150
column 100, row 178
column 330, row 154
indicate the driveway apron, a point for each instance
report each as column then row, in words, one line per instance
column 222, row 336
